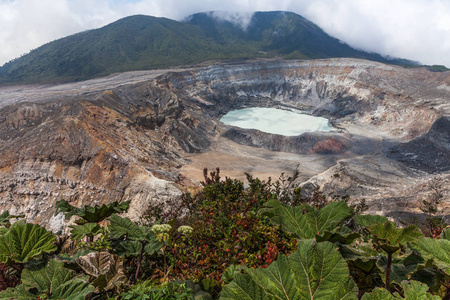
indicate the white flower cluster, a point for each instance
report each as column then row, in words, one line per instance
column 186, row 230
column 161, row 228
column 161, row 231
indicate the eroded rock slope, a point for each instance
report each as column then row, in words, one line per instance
column 136, row 137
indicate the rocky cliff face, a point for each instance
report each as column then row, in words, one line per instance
column 108, row 146
column 133, row 136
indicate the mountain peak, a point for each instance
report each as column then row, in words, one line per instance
column 143, row 42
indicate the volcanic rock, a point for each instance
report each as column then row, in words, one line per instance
column 143, row 136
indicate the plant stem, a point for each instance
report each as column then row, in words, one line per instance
column 388, row 271
column 165, row 265
column 139, row 261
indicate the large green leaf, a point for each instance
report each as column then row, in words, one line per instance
column 390, row 239
column 62, row 206
column 17, row 293
column 361, row 258
column 124, row 227
column 436, row 250
column 88, row 213
column 152, row 247
column 430, row 275
column 378, row 294
column 314, row 271
column 23, row 241
column 80, row 231
column 416, row 290
column 305, row 221
column 232, row 271
column 342, row 236
column 100, row 213
column 54, row 280
column 57, row 281
column 413, row 290
column 126, row 248
column 136, row 236
column 367, row 220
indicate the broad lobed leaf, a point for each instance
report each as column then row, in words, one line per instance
column 94, row 214
column 54, row 280
column 100, row 213
column 390, row 238
column 314, row 271
column 305, row 221
column 124, row 227
column 367, row 220
column 436, row 250
column 17, row 293
column 80, row 231
column 23, row 241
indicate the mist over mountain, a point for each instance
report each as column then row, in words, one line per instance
column 144, row 42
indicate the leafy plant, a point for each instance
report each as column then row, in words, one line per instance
column 89, row 230
column 307, row 222
column 88, row 222
column 24, row 241
column 135, row 238
column 227, row 229
column 314, row 271
column 412, row 290
column 90, row 214
column 390, row 239
column 9, row 276
column 367, row 220
column 50, row 282
column 169, row 291
column 436, row 250
column 251, row 242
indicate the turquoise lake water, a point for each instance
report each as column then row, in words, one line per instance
column 276, row 121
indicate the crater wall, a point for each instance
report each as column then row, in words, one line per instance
column 129, row 136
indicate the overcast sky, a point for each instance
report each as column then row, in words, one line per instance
column 413, row 29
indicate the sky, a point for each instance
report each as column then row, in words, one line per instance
column 418, row 30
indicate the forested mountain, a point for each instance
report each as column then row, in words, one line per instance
column 143, row 42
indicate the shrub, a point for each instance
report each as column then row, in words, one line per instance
column 227, row 229
column 147, row 290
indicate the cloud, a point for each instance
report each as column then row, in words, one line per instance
column 412, row 29
column 242, row 19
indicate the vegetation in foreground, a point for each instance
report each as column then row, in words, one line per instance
column 267, row 241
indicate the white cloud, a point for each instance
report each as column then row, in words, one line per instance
column 413, row 29
column 242, row 19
